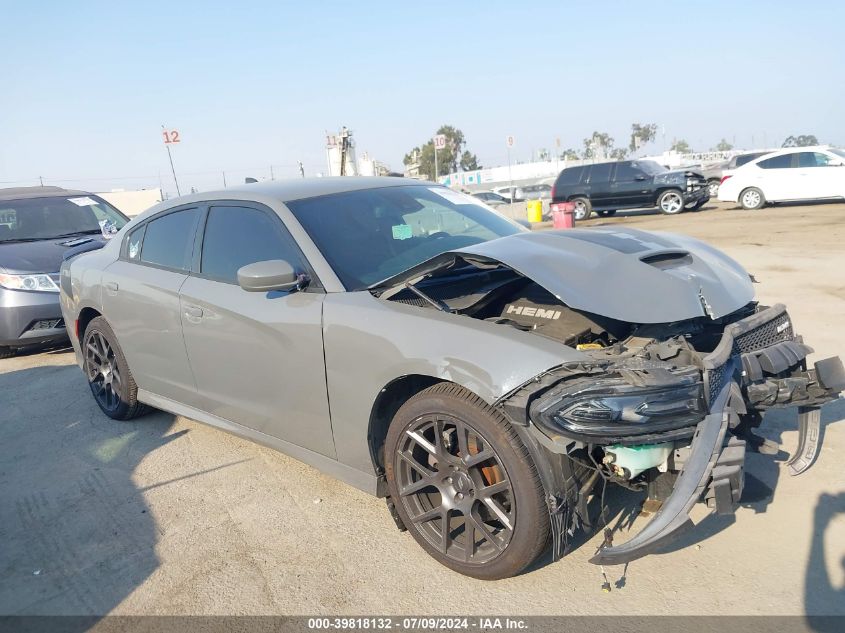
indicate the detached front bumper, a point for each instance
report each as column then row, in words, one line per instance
column 759, row 364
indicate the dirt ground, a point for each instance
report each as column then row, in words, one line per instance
column 166, row 516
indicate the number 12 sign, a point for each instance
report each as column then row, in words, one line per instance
column 170, row 136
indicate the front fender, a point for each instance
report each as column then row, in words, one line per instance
column 370, row 342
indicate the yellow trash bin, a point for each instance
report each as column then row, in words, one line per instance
column 535, row 210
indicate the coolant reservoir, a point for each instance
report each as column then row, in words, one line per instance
column 630, row 461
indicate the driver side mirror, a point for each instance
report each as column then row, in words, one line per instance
column 640, row 177
column 274, row 274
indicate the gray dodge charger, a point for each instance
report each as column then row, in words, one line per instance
column 488, row 381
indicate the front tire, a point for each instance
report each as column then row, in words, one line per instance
column 464, row 484
column 109, row 377
column 752, row 198
column 583, row 209
column 671, row 202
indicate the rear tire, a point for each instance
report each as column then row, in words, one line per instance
column 752, row 198
column 452, row 461
column 583, row 208
column 109, row 377
column 671, row 202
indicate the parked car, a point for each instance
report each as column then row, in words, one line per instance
column 715, row 172
column 535, row 192
column 799, row 173
column 511, row 193
column 486, row 379
column 491, row 198
column 38, row 225
column 629, row 184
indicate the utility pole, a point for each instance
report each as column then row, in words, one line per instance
column 272, row 176
column 301, row 169
column 41, row 180
column 224, row 179
column 167, row 142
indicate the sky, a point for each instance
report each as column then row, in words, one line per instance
column 86, row 86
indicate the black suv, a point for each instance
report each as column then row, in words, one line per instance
column 629, row 184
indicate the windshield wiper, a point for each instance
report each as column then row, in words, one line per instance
column 74, row 234
column 16, row 240
column 435, row 302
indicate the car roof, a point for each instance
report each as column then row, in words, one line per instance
column 19, row 193
column 300, row 188
column 785, row 151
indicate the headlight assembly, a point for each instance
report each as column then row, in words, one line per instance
column 38, row 282
column 612, row 407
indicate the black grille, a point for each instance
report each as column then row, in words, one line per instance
column 715, row 381
column 766, row 335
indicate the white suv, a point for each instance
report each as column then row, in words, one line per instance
column 798, row 173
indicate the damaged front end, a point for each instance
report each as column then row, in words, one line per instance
column 677, row 366
column 664, row 416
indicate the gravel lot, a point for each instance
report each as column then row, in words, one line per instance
column 166, row 516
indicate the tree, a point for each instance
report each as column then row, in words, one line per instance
column 641, row 134
column 447, row 158
column 599, row 145
column 800, row 141
column 618, row 153
column 569, row 154
column 681, row 146
column 723, row 146
column 469, row 162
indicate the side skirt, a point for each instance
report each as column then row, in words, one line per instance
column 367, row 482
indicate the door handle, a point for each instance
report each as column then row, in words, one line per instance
column 111, row 286
column 193, row 311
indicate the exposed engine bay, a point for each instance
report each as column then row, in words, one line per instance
column 668, row 408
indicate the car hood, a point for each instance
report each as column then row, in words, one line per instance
column 43, row 256
column 621, row 273
column 677, row 176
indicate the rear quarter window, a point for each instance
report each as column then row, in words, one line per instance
column 571, row 176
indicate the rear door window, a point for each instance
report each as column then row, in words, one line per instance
column 783, row 161
column 600, row 173
column 168, row 240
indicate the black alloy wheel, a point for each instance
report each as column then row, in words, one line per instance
column 105, row 366
column 464, row 484
column 454, row 486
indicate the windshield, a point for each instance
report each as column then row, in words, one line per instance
column 370, row 235
column 650, row 167
column 838, row 152
column 32, row 219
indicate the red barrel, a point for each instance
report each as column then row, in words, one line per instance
column 563, row 215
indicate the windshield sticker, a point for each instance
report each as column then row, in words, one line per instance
column 108, row 228
column 402, row 232
column 82, row 202
column 455, row 197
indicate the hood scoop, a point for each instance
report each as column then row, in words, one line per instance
column 665, row 260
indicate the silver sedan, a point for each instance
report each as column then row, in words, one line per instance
column 409, row 340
